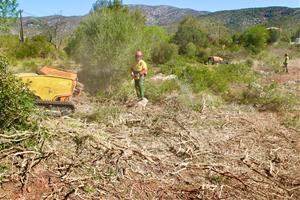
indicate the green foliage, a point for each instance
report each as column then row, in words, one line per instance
column 217, row 79
column 107, row 37
column 16, row 102
column 115, row 4
column 176, row 66
column 191, row 50
column 268, row 97
column 255, row 39
column 189, row 31
column 106, row 41
column 164, row 52
column 156, row 34
column 156, row 91
column 38, row 46
column 202, row 55
column 8, row 13
column 274, row 35
column 35, row 47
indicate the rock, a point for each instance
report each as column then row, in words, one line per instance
column 291, row 82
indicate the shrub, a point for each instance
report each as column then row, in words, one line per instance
column 38, row 46
column 16, row 102
column 274, row 35
column 217, row 79
column 202, row 55
column 189, row 31
column 191, row 50
column 164, row 52
column 156, row 91
column 268, row 97
column 255, row 39
column 104, row 42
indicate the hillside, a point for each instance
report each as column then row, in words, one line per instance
column 241, row 19
column 236, row 20
column 155, row 15
column 165, row 15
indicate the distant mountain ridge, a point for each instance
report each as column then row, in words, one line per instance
column 243, row 18
column 165, row 15
column 168, row 15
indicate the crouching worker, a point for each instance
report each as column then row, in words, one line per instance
column 138, row 73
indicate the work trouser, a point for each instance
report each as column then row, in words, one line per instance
column 140, row 86
column 285, row 65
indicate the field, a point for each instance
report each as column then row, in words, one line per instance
column 227, row 130
column 163, row 152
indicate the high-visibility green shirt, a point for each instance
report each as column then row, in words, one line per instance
column 286, row 60
column 140, row 66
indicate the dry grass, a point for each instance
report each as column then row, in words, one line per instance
column 166, row 153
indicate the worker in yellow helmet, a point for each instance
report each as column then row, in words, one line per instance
column 138, row 73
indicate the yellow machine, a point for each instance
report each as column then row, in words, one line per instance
column 49, row 88
column 53, row 88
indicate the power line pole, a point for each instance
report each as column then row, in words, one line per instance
column 21, row 29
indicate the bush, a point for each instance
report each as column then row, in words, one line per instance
column 164, row 52
column 274, row 35
column 255, row 39
column 202, row 55
column 156, row 91
column 268, row 97
column 35, row 47
column 191, row 50
column 38, row 46
column 16, row 102
column 217, row 79
column 189, row 31
column 104, row 43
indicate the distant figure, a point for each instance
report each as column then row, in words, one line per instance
column 215, row 60
column 286, row 63
column 138, row 73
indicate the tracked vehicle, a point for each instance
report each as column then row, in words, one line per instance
column 54, row 89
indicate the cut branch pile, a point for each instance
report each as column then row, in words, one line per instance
column 164, row 153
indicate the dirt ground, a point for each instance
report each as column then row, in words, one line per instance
column 163, row 152
column 292, row 76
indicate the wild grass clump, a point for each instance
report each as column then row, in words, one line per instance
column 266, row 98
column 293, row 121
column 157, row 91
column 105, row 113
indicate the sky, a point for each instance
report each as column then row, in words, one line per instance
column 81, row 7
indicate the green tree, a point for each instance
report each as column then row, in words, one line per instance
column 105, row 44
column 191, row 50
column 274, row 35
column 8, row 12
column 164, row 52
column 107, row 4
column 255, row 39
column 189, row 31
